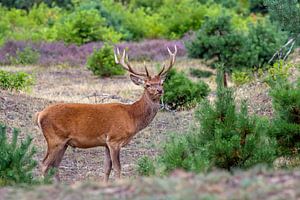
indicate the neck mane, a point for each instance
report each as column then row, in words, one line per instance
column 144, row 110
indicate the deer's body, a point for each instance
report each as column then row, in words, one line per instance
column 110, row 125
column 91, row 125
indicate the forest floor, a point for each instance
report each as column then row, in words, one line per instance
column 64, row 84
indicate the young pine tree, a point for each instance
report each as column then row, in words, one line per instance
column 225, row 138
column 233, row 138
column 16, row 162
column 286, row 125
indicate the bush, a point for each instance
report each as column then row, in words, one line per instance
column 263, row 40
column 181, row 92
column 25, row 56
column 83, row 26
column 145, row 166
column 200, row 73
column 222, row 138
column 102, row 62
column 191, row 17
column 241, row 77
column 15, row 81
column 219, row 40
column 277, row 72
column 286, row 124
column 16, row 160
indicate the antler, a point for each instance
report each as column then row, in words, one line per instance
column 172, row 61
column 123, row 61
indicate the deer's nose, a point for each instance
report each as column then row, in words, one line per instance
column 160, row 91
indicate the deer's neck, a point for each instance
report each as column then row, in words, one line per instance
column 144, row 110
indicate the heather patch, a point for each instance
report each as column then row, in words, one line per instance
column 57, row 53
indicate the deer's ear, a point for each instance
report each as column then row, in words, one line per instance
column 137, row 80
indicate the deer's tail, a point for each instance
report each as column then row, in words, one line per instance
column 36, row 119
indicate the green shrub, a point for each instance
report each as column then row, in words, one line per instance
column 15, row 81
column 200, row 73
column 181, row 92
column 222, row 137
column 219, row 40
column 16, row 159
column 241, row 77
column 286, row 124
column 192, row 15
column 26, row 56
column 277, row 72
column 263, row 40
column 102, row 62
column 83, row 26
column 145, row 166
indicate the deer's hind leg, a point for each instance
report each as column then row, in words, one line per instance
column 114, row 151
column 107, row 164
column 54, row 155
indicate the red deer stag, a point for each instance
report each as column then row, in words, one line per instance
column 110, row 125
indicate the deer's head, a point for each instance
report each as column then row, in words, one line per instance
column 153, row 84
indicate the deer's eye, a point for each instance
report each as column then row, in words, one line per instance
column 148, row 85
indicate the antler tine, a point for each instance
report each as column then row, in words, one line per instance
column 147, row 72
column 125, row 63
column 172, row 61
column 115, row 55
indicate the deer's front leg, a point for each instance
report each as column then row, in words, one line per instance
column 114, row 151
column 107, row 164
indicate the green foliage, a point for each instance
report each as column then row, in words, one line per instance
column 85, row 21
column 277, row 72
column 145, row 166
column 83, row 26
column 287, row 13
column 28, row 4
column 200, row 73
column 15, row 81
column 262, row 41
column 225, row 3
column 181, row 92
column 191, row 16
column 102, row 62
column 26, row 56
column 149, row 6
column 241, row 77
column 17, row 161
column 286, row 125
column 258, row 6
column 222, row 137
column 218, row 39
